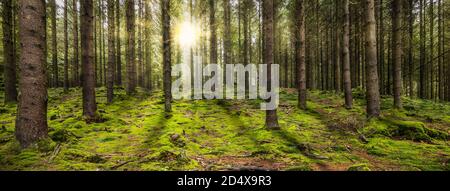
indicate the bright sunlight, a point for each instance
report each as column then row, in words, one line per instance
column 187, row 34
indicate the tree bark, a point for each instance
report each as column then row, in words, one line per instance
column 10, row 76
column 88, row 66
column 118, row 77
column 31, row 121
column 111, row 53
column 54, row 45
column 66, row 48
column 397, row 54
column 167, row 61
column 268, row 17
column 131, row 65
column 372, row 86
column 76, row 74
column 300, row 53
column 346, row 56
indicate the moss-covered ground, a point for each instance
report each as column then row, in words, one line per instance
column 230, row 135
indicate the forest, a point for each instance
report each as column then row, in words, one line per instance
column 361, row 85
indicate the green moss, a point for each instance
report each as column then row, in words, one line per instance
column 359, row 167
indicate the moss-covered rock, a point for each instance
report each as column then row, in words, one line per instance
column 359, row 167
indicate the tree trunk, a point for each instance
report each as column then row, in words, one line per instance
column 140, row 68
column 118, row 77
column 227, row 32
column 397, row 54
column 337, row 53
column 422, row 52
column 54, row 44
column 346, row 56
column 31, row 121
column 66, row 48
column 300, row 53
column 213, row 30
column 8, row 53
column 131, row 65
column 88, row 66
column 167, row 68
column 372, row 89
column 76, row 74
column 268, row 16
column 111, row 52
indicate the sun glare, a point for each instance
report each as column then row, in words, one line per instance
column 187, row 34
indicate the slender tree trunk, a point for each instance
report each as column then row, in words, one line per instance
column 111, row 52
column 268, row 18
column 337, row 53
column 346, row 56
column 148, row 54
column 54, row 44
column 131, row 65
column 167, row 68
column 87, row 55
column 422, row 52
column 76, row 74
column 431, row 63
column 8, row 53
column 300, row 53
column 373, row 94
column 31, row 120
column 213, row 30
column 140, row 67
column 411, row 45
column 66, row 48
column 227, row 32
column 397, row 8
column 118, row 77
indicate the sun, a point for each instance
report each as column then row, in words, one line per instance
column 187, row 34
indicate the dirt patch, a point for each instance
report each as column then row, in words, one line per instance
column 236, row 163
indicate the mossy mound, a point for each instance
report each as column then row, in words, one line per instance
column 413, row 130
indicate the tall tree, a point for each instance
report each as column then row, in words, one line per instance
column 167, row 61
column 372, row 86
column 140, row 68
column 8, row 53
column 118, row 77
column 54, row 44
column 268, row 18
column 213, row 29
column 346, row 56
column 31, row 120
column 75, row 69
column 66, row 48
column 337, row 53
column 422, row 86
column 300, row 52
column 87, row 55
column 397, row 9
column 111, row 52
column 227, row 32
column 131, row 65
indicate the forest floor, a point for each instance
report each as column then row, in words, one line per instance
column 230, row 135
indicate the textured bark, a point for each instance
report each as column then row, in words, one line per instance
column 66, row 48
column 397, row 54
column 118, row 77
column 31, row 121
column 372, row 86
column 140, row 68
column 337, row 48
column 422, row 86
column 111, row 53
column 76, row 67
column 8, row 53
column 300, row 53
column 87, row 55
column 227, row 32
column 131, row 52
column 148, row 54
column 346, row 56
column 213, row 29
column 167, row 61
column 268, row 17
column 54, row 45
